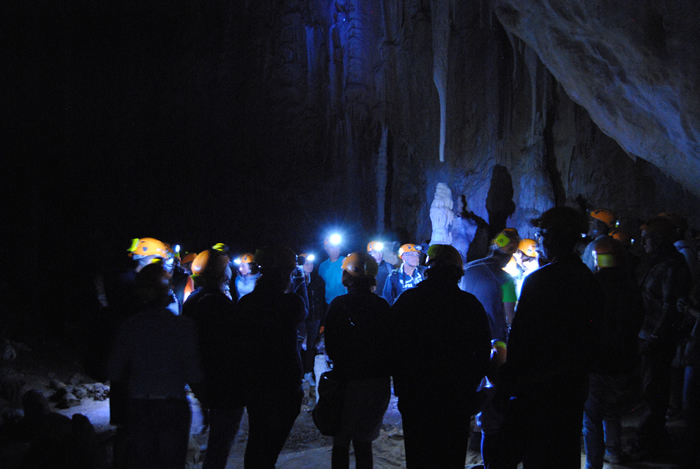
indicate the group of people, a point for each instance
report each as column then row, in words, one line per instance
column 540, row 339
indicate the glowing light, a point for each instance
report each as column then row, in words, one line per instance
column 335, row 239
column 310, row 258
column 379, row 247
column 176, row 248
column 237, row 261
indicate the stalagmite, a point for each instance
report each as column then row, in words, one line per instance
column 441, row 215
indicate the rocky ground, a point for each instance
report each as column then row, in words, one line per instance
column 57, row 374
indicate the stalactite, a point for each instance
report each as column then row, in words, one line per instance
column 441, row 40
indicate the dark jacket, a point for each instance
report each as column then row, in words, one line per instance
column 214, row 315
column 441, row 343
column 554, row 339
column 622, row 318
column 316, row 291
column 268, row 335
column 666, row 279
column 358, row 338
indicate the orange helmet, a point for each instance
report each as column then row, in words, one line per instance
column 604, row 215
column 360, row 264
column 409, row 248
column 189, row 257
column 247, row 257
column 150, row 247
column 528, row 247
column 621, row 236
column 375, row 246
column 210, row 263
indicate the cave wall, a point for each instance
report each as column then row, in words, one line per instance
column 387, row 75
column 252, row 122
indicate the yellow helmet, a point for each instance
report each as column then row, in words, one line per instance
column 375, row 246
column 604, row 215
column 506, row 237
column 150, row 247
column 360, row 264
column 607, row 252
column 409, row 248
column 528, row 247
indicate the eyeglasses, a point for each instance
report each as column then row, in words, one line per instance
column 411, row 254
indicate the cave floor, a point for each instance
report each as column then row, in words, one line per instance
column 305, row 447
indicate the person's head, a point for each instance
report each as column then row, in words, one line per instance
column 601, row 221
column 246, row 264
column 504, row 246
column 147, row 250
column 332, row 246
column 277, row 263
column 359, row 270
column 153, row 285
column 187, row 260
column 680, row 224
column 621, row 236
column 608, row 253
column 560, row 231
column 376, row 250
column 528, row 247
column 211, row 269
column 444, row 262
column 306, row 260
column 410, row 254
column 657, row 234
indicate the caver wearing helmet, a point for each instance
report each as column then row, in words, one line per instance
column 359, row 268
column 559, row 302
column 507, row 241
column 211, row 269
column 560, row 231
column 608, row 252
column 376, row 250
column 269, row 319
column 622, row 236
column 444, row 259
column 212, row 309
column 600, row 222
column 248, row 274
column 358, row 343
column 331, row 270
column 525, row 260
column 277, row 263
column 528, row 247
column 147, row 250
column 409, row 274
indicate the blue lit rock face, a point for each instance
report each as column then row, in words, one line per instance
column 631, row 64
column 586, row 103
